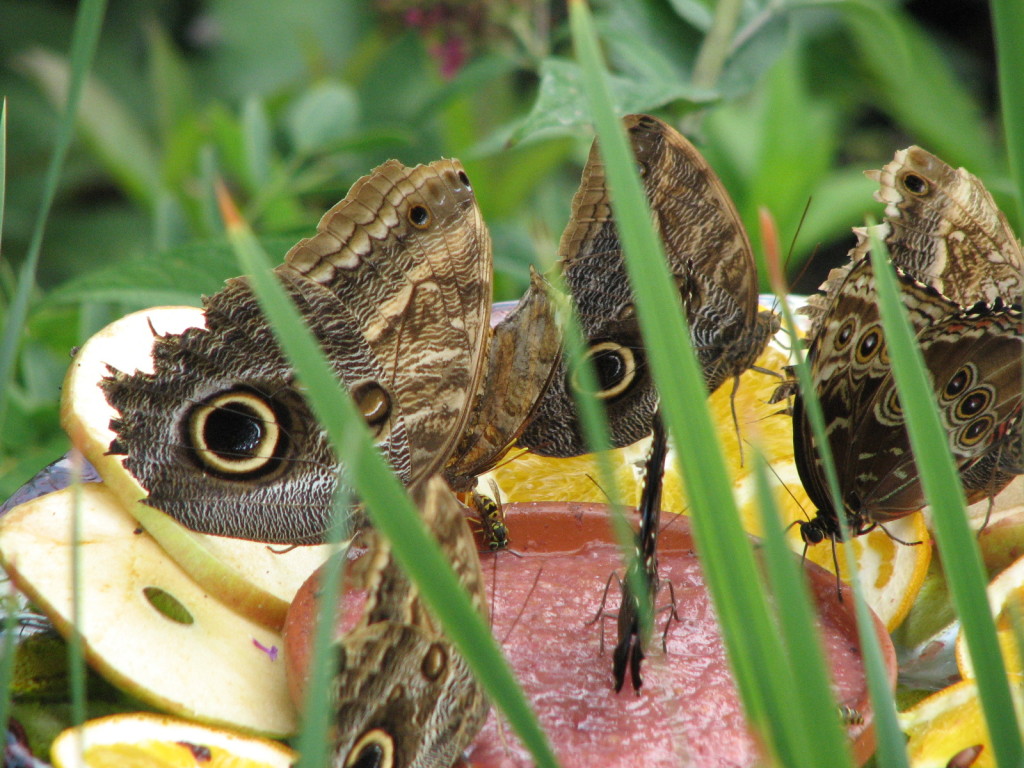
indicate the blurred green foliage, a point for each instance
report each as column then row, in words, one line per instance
column 290, row 103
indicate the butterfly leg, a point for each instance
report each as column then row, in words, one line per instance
column 672, row 614
column 601, row 613
column 735, row 418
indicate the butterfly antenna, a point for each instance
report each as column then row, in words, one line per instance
column 792, row 246
column 597, row 485
column 897, row 539
column 835, row 563
column 508, row 458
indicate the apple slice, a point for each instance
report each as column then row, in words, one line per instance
column 162, row 742
column 145, row 624
column 250, row 577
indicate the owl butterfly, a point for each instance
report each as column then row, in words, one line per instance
column 713, row 266
column 403, row 694
column 960, row 271
column 711, row 260
column 396, row 287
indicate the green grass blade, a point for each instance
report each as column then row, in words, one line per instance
column 313, row 739
column 804, row 657
column 9, row 601
column 3, row 168
column 957, row 546
column 387, row 503
column 887, row 728
column 1008, row 24
column 83, row 48
column 594, row 426
column 76, row 646
column 890, row 742
column 732, row 576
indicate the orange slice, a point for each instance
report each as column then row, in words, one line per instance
column 1006, row 598
column 153, row 741
column 950, row 723
column 892, row 573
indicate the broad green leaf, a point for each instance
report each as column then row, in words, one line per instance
column 561, row 107
column 178, row 276
column 324, row 115
column 917, row 84
column 755, row 50
column 258, row 142
column 695, row 12
column 1008, row 22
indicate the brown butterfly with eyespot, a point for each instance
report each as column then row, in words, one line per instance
column 403, row 694
column 396, row 287
column 712, row 262
column 960, row 270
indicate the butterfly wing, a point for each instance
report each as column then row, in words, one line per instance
column 396, row 288
column 973, row 358
column 848, row 363
column 402, row 690
column 522, row 358
column 713, row 265
column 944, row 228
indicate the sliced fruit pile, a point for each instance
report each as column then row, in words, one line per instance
column 184, row 622
column 950, row 723
column 892, row 574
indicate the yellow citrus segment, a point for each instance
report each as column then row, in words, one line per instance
column 1006, row 598
column 162, row 754
column 945, row 724
column 144, row 740
column 892, row 573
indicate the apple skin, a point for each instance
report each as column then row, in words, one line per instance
column 250, row 577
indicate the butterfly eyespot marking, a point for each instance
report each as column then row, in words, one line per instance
column 845, row 334
column 974, row 403
column 615, row 366
column 236, row 433
column 465, row 179
column 419, row 216
column 893, row 403
column 916, row 185
column 958, row 383
column 374, row 403
column 976, row 430
column 642, row 168
column 374, row 749
column 435, row 662
column 869, row 344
